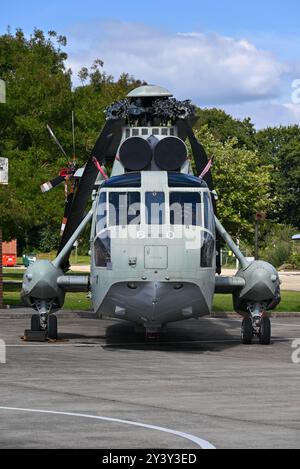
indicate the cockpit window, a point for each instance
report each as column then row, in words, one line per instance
column 209, row 221
column 155, row 208
column 208, row 241
column 185, row 208
column 124, row 208
column 101, row 221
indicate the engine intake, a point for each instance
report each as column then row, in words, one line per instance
column 170, row 153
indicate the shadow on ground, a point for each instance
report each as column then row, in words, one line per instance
column 186, row 336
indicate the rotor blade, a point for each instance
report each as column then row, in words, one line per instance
column 56, row 141
column 200, row 156
column 47, row 186
column 67, row 211
column 87, row 181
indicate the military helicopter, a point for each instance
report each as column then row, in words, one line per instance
column 154, row 229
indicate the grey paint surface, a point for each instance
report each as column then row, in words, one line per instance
column 160, row 264
column 149, row 91
column 198, row 379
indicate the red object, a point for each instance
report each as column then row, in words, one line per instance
column 9, row 260
column 9, row 254
column 98, row 166
column 206, row 169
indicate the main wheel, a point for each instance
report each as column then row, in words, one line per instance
column 265, row 331
column 35, row 322
column 52, row 327
column 247, row 331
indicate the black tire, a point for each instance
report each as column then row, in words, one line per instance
column 265, row 331
column 52, row 327
column 35, row 323
column 247, row 331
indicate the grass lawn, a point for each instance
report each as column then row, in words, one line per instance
column 74, row 301
column 290, row 302
column 51, row 255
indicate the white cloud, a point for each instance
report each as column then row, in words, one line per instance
column 208, row 68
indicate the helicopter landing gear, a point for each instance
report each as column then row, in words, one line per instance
column 43, row 324
column 247, row 330
column 52, row 327
column 38, row 331
column 256, row 324
column 35, row 323
column 265, row 331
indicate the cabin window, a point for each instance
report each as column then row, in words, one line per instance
column 102, row 250
column 124, row 208
column 155, row 208
column 185, row 208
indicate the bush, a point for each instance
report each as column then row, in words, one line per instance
column 277, row 254
column 49, row 239
column 277, row 245
column 294, row 260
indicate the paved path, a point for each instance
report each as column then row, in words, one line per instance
column 198, row 380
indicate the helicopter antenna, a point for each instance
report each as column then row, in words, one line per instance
column 73, row 135
column 56, row 141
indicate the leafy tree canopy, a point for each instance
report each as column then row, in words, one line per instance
column 242, row 183
column 253, row 171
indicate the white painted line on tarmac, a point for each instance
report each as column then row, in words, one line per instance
column 198, row 441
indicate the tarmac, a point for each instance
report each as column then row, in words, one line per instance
column 102, row 386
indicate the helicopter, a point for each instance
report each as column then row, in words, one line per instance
column 155, row 236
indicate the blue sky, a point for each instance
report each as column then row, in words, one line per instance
column 239, row 56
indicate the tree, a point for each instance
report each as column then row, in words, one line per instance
column 281, row 148
column 241, row 182
column 38, row 92
column 289, row 188
column 223, row 126
column 92, row 98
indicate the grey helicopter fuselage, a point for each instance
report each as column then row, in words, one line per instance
column 158, row 265
column 154, row 235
